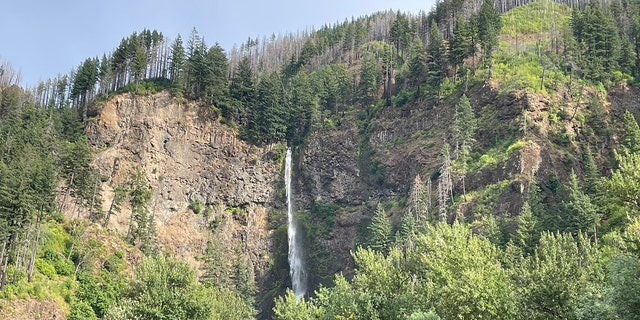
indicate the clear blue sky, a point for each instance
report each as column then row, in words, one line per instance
column 44, row 38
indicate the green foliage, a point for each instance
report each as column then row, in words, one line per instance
column 598, row 42
column 289, row 307
column 419, row 315
column 487, row 22
column 379, row 230
column 81, row 311
column 535, row 17
column 141, row 227
column 195, row 206
column 625, row 283
column 556, row 274
column 624, row 183
column 631, row 134
column 165, row 288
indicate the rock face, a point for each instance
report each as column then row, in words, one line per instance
column 187, row 160
column 328, row 167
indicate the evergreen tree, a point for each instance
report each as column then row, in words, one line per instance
column 458, row 46
column 242, row 93
column 420, row 201
column 269, row 119
column 142, row 229
column 631, row 135
column 401, row 32
column 579, row 213
column 380, row 230
column 303, row 106
column 598, row 42
column 464, row 128
column 417, row 63
column 527, row 229
column 139, row 62
column 488, row 25
column 445, row 183
column 214, row 81
column 176, row 65
column 436, row 51
column 370, row 79
column 407, row 228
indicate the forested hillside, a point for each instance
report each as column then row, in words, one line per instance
column 479, row 160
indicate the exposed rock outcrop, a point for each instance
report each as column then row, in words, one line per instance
column 188, row 158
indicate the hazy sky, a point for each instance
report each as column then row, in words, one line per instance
column 45, row 38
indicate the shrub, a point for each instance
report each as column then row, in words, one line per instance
column 64, row 267
column 81, row 310
column 45, row 268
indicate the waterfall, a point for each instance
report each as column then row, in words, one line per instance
column 296, row 266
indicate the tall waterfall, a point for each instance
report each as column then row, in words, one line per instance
column 296, row 265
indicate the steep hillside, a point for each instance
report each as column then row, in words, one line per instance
column 209, row 188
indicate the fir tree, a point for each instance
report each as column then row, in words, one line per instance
column 631, row 135
column 380, row 230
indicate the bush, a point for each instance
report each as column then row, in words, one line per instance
column 45, row 268
column 195, row 206
column 81, row 310
column 64, row 267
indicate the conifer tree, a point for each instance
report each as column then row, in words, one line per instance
column 445, row 183
column 417, row 63
column 527, row 229
column 436, row 51
column 631, row 135
column 303, row 106
column 370, row 78
column 458, row 46
column 242, row 92
column 379, row 230
column 579, row 212
column 176, row 66
column 464, row 127
column 419, row 202
column 488, row 25
column 142, row 229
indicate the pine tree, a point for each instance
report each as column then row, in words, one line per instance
column 527, row 229
column 176, row 66
column 139, row 63
column 458, row 46
column 631, row 135
column 417, row 63
column 142, row 229
column 579, row 212
column 464, row 127
column 269, row 118
column 488, row 25
column 242, row 92
column 214, row 79
column 419, row 202
column 598, row 42
column 436, row 51
column 407, row 228
column 370, row 78
column 445, row 183
column 303, row 106
column 379, row 230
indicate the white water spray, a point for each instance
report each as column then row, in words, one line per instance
column 296, row 266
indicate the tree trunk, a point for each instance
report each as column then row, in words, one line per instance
column 3, row 271
column 34, row 250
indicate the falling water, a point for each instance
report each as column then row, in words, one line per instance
column 296, row 267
